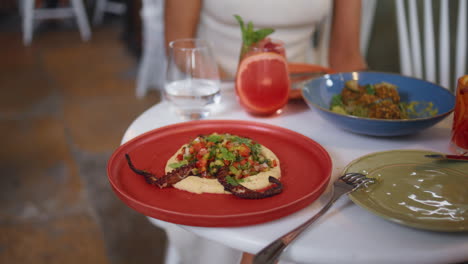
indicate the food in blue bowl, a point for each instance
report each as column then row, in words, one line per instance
column 377, row 103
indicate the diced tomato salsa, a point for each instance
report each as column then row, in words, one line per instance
column 242, row 155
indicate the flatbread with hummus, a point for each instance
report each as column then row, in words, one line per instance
column 250, row 163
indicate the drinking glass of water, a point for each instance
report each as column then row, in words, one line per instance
column 192, row 79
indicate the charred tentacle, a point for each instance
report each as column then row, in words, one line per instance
column 167, row 180
column 183, row 172
column 246, row 193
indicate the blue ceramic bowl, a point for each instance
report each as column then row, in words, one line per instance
column 318, row 93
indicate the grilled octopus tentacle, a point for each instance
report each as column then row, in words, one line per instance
column 244, row 192
column 167, row 180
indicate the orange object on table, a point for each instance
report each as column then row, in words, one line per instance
column 304, row 68
column 459, row 139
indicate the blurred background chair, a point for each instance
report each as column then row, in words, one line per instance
column 106, row 6
column 30, row 12
column 427, row 51
column 153, row 60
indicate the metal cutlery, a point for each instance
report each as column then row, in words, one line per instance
column 344, row 185
column 447, row 157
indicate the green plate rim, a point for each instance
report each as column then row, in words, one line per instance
column 414, row 224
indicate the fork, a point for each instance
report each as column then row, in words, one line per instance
column 344, row 185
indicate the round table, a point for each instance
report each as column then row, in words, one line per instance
column 347, row 233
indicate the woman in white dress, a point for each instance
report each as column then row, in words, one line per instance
column 295, row 22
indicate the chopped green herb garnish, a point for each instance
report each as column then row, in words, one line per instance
column 240, row 140
column 233, row 181
column 251, row 36
column 370, row 89
column 226, row 155
column 178, row 164
column 256, row 148
column 233, row 170
column 215, row 138
column 243, row 156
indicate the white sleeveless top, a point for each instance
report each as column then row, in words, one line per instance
column 294, row 22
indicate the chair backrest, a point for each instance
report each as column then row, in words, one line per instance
column 425, row 58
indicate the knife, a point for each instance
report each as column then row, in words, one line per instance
column 450, row 157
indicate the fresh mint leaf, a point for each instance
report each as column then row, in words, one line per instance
column 241, row 24
column 239, row 19
column 249, row 39
column 249, row 35
column 262, row 33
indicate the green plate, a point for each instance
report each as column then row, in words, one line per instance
column 413, row 190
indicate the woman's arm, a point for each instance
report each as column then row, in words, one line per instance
column 344, row 50
column 181, row 19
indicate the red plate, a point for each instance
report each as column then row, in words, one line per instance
column 305, row 168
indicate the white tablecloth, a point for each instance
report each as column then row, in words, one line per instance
column 347, row 233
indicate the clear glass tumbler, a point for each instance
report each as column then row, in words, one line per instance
column 459, row 142
column 192, row 80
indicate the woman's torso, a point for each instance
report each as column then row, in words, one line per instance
column 294, row 22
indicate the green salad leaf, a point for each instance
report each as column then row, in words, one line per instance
column 417, row 109
column 370, row 89
column 336, row 100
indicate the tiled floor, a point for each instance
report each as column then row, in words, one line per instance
column 64, row 107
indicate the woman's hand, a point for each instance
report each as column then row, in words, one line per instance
column 346, row 62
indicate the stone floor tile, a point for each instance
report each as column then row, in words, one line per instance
column 129, row 236
column 23, row 91
column 70, row 239
column 92, row 123
column 68, row 107
column 40, row 176
column 15, row 56
column 86, row 72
